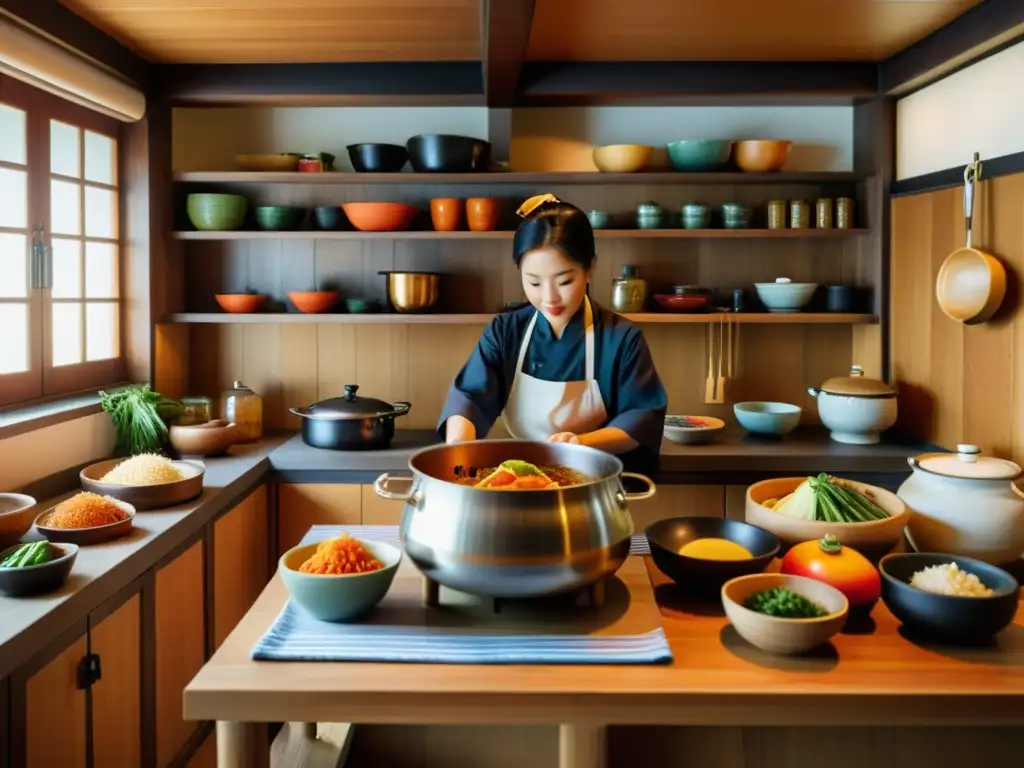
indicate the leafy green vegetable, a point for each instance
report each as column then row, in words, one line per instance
column 823, row 499
column 33, row 553
column 520, row 468
column 784, row 603
column 140, row 418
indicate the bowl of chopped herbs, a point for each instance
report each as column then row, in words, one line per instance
column 784, row 614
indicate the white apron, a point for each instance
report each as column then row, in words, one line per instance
column 537, row 409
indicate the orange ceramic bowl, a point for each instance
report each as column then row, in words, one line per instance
column 761, row 156
column 313, row 302
column 622, row 158
column 379, row 217
column 241, row 303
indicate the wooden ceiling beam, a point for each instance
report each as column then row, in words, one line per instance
column 505, row 33
column 983, row 30
column 56, row 22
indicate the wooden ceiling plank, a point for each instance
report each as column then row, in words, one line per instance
column 505, row 33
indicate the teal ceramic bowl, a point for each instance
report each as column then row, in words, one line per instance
column 211, row 212
column 344, row 597
column 767, row 418
column 279, row 217
column 696, row 155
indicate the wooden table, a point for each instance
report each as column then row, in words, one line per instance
column 880, row 677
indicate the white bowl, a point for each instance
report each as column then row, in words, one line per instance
column 767, row 418
column 785, row 297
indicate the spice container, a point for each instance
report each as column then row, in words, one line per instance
column 195, row 410
column 776, row 214
column 844, row 213
column 824, row 213
column 696, row 216
column 629, row 292
column 735, row 216
column 245, row 408
column 648, row 215
column 799, row 214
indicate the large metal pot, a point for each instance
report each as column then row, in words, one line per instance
column 522, row 543
column 350, row 423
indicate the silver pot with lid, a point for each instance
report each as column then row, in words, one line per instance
column 350, row 422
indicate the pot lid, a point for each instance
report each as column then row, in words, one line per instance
column 968, row 463
column 351, row 406
column 857, row 385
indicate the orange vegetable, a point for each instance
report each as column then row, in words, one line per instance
column 341, row 555
column 841, row 567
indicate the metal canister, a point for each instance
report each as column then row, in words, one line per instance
column 776, row 214
column 844, row 213
column 799, row 214
column 824, row 213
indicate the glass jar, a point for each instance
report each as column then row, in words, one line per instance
column 844, row 213
column 776, row 214
column 799, row 214
column 824, row 213
column 195, row 410
column 629, row 292
column 245, row 408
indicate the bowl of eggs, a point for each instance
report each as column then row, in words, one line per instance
column 702, row 553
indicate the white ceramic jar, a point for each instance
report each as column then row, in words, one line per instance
column 856, row 409
column 965, row 504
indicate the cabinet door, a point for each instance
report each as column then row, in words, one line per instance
column 302, row 505
column 5, row 724
column 116, row 696
column 240, row 554
column 180, row 647
column 55, row 712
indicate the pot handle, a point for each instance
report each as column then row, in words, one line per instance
column 380, row 485
column 651, row 490
column 401, row 408
column 814, row 391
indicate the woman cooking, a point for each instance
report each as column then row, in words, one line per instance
column 561, row 368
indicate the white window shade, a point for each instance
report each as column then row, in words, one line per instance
column 46, row 65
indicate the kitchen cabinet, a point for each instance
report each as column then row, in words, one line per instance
column 116, row 695
column 180, row 646
column 301, row 505
column 55, row 711
column 5, row 725
column 206, row 755
column 240, row 562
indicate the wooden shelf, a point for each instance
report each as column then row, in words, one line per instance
column 757, row 318
column 513, row 177
column 601, row 234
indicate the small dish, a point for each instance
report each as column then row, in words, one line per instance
column 951, row 618
column 17, row 511
column 683, row 302
column 37, row 579
column 775, row 634
column 784, row 295
column 213, row 438
column 692, row 430
column 313, row 302
column 598, row 219
column 362, row 306
column 83, row 537
column 768, row 418
column 146, row 496
column 241, row 303
column 328, row 217
column 339, row 597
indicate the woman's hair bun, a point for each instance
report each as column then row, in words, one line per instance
column 548, row 222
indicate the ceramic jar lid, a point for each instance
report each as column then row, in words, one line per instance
column 968, row 464
column 857, row 385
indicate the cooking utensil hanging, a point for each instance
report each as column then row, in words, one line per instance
column 971, row 283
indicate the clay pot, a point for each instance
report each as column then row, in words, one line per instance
column 482, row 213
column 446, row 213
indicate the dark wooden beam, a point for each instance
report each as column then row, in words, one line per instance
column 505, row 33
column 388, row 83
column 600, row 82
column 985, row 29
column 56, row 22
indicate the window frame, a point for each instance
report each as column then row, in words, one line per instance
column 43, row 381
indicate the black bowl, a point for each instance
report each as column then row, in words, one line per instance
column 377, row 158
column 956, row 619
column 36, row 579
column 444, row 153
column 667, row 537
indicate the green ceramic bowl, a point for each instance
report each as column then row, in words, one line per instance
column 279, row 217
column 339, row 598
column 212, row 212
column 699, row 154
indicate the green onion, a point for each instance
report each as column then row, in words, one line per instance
column 138, row 414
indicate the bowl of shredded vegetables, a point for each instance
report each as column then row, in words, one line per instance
column 784, row 614
column 341, row 578
column 865, row 517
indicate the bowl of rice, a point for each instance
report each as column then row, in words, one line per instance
column 146, row 481
column 341, row 578
column 949, row 597
column 86, row 518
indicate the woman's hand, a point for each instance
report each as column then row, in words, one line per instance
column 564, row 437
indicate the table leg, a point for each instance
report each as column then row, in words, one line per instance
column 242, row 745
column 431, row 593
column 582, row 746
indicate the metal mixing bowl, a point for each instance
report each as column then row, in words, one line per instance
column 410, row 292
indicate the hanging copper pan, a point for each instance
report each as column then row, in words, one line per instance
column 971, row 283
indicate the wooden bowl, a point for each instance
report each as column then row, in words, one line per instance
column 779, row 635
column 279, row 163
column 313, row 302
column 38, row 579
column 970, row 286
column 761, row 155
column 379, row 217
column 210, row 439
column 83, row 537
column 622, row 158
column 241, row 303
column 146, row 496
column 17, row 511
column 873, row 540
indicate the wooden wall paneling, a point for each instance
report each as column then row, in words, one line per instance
column 379, row 511
column 298, row 371
column 678, row 501
column 117, row 696
column 171, row 360
column 55, row 712
column 5, row 729
column 240, row 543
column 736, row 502
column 180, row 646
column 206, row 755
column 336, row 360
column 303, row 505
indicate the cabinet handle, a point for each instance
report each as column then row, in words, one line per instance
column 89, row 671
column 35, row 260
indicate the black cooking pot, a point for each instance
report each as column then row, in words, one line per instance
column 445, row 153
column 377, row 158
column 350, row 423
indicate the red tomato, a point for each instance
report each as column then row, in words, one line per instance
column 841, row 567
column 502, row 478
